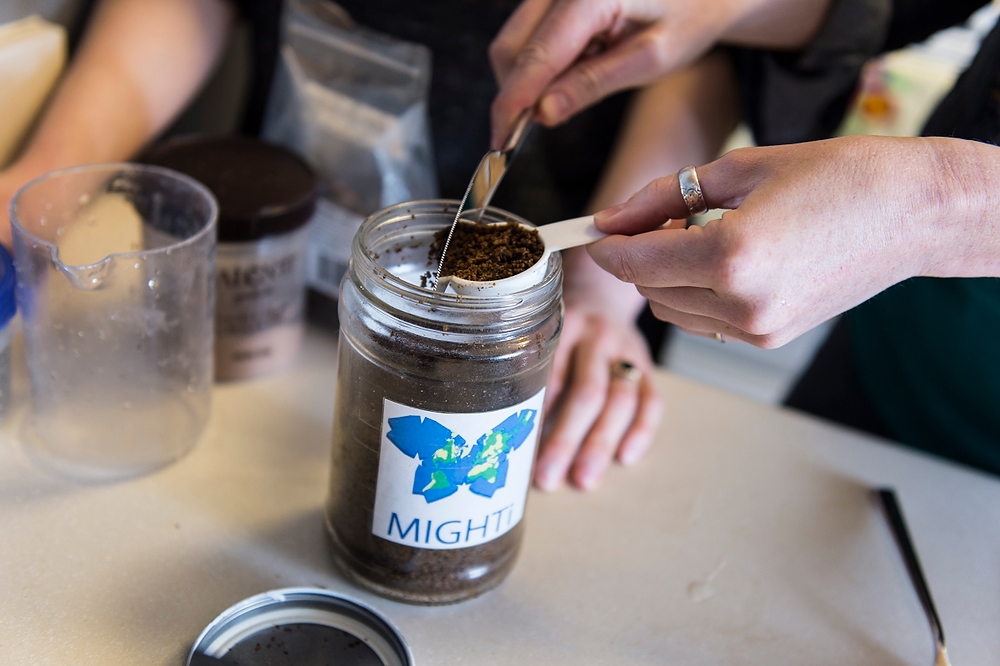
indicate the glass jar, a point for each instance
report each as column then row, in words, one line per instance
column 438, row 412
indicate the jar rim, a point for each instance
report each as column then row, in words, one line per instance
column 370, row 239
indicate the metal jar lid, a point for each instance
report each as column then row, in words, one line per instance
column 300, row 626
column 262, row 188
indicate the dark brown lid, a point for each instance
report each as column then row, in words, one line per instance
column 262, row 189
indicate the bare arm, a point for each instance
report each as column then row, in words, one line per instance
column 139, row 64
column 545, row 52
column 814, row 229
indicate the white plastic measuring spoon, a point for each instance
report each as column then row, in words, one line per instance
column 555, row 237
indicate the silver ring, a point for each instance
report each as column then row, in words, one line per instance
column 721, row 340
column 691, row 190
column 624, row 370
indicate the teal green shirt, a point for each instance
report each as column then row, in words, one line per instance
column 928, row 356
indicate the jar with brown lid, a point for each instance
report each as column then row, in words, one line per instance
column 267, row 196
column 437, row 416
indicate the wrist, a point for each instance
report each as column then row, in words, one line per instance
column 963, row 238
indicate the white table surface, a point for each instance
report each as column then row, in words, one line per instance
column 775, row 504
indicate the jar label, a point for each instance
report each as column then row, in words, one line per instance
column 448, row 480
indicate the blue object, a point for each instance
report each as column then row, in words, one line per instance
column 8, row 306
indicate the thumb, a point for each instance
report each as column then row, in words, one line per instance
column 724, row 184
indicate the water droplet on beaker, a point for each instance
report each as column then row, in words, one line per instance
column 135, row 265
column 84, row 198
column 79, row 334
column 153, row 284
column 61, row 231
column 190, row 388
column 87, row 278
column 43, row 220
column 126, row 405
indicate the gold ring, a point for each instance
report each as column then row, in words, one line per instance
column 691, row 190
column 625, row 370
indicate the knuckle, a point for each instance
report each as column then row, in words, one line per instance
column 740, row 157
column 661, row 189
column 756, row 321
column 535, row 54
column 500, row 52
column 663, row 313
column 589, row 394
column 733, row 259
column 652, row 49
column 587, row 84
column 770, row 341
column 623, row 266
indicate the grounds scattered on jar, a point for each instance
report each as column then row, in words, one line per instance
column 266, row 195
column 437, row 415
column 8, row 308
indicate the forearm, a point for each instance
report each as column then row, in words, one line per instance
column 778, row 25
column 683, row 119
column 963, row 238
column 139, row 64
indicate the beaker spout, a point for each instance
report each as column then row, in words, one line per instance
column 87, row 278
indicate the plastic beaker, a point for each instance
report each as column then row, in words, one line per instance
column 115, row 283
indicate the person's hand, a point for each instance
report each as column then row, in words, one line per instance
column 595, row 417
column 565, row 55
column 816, row 229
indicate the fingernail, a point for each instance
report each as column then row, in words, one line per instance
column 553, row 107
column 546, row 478
column 608, row 213
column 629, row 456
column 589, row 476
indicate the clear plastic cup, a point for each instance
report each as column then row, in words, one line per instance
column 115, row 283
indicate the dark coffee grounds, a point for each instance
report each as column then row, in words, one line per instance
column 436, row 376
column 487, row 252
column 435, row 354
column 301, row 644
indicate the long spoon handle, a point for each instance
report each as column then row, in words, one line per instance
column 894, row 515
column 570, row 233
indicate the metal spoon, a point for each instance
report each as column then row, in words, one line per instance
column 894, row 515
column 485, row 181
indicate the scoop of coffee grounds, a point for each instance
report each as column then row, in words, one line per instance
column 487, row 252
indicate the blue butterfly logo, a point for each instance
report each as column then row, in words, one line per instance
column 447, row 462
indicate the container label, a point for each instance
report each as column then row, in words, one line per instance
column 449, row 480
column 329, row 251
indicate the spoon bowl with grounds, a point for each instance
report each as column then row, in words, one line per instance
column 554, row 237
